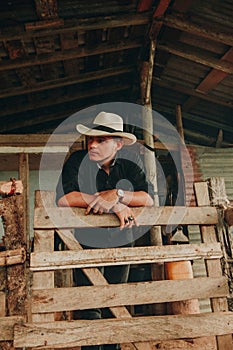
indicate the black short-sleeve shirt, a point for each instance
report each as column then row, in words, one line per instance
column 84, row 175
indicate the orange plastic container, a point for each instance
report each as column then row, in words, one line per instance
column 178, row 270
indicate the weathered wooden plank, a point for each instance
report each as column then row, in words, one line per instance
column 39, row 149
column 31, row 140
column 203, row 343
column 2, row 304
column 12, row 257
column 24, row 176
column 110, row 331
column 81, row 298
column 43, row 260
column 43, row 241
column 67, row 218
column 213, row 267
column 7, row 327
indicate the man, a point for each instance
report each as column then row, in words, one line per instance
column 105, row 178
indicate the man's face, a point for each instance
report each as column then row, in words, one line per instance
column 103, row 148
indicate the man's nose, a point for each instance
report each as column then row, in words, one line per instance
column 92, row 143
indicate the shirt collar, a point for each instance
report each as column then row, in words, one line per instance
column 111, row 165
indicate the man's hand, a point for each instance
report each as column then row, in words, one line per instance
column 125, row 215
column 103, row 202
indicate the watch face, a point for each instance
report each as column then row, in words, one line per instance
column 120, row 193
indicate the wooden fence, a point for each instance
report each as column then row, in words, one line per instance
column 49, row 324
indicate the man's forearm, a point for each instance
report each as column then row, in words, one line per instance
column 137, row 199
column 75, row 199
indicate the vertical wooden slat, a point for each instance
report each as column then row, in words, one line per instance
column 43, row 242
column 24, row 177
column 224, row 342
column 2, row 304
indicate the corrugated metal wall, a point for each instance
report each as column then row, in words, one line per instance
column 215, row 162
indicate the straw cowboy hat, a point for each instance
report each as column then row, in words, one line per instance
column 107, row 124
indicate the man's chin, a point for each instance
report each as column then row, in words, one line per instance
column 94, row 158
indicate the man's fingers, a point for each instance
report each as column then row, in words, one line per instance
column 88, row 209
column 90, row 206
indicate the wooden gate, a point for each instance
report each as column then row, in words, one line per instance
column 49, row 324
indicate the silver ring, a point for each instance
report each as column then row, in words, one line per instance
column 131, row 218
column 126, row 221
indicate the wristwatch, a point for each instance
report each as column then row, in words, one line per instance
column 120, row 194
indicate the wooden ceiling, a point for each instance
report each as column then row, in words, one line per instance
column 58, row 57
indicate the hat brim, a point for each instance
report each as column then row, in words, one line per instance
column 129, row 139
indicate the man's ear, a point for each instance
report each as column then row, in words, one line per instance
column 119, row 144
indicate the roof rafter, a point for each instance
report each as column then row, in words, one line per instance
column 209, row 83
column 79, row 25
column 212, row 32
column 53, row 84
column 75, row 95
column 190, row 53
column 70, row 54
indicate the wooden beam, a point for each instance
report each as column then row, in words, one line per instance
column 198, row 138
column 193, row 92
column 210, row 82
column 2, row 305
column 81, row 298
column 7, row 327
column 24, row 177
column 73, row 25
column 161, row 8
column 35, row 150
column 144, row 5
column 58, row 217
column 190, row 53
column 81, row 78
column 62, row 115
column 43, row 241
column 37, row 140
column 182, row 6
column 197, row 119
column 12, row 257
column 212, row 32
column 67, row 334
column 69, row 54
column 215, row 76
column 44, row 261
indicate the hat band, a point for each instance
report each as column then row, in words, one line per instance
column 105, row 128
